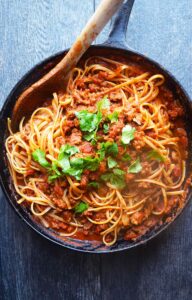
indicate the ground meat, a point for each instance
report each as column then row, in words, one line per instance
column 172, row 202
column 138, row 142
column 86, row 147
column 137, row 218
column 67, row 215
column 130, row 235
column 87, row 226
column 84, row 181
column 115, row 129
column 55, row 224
column 151, row 134
column 103, row 167
column 75, row 137
column 60, row 141
column 177, row 172
column 94, row 176
column 59, row 203
column 68, row 125
column 144, row 185
column 101, row 227
column 129, row 177
column 151, row 221
column 29, row 172
column 175, row 110
column 115, row 96
column 146, row 169
column 58, row 190
column 182, row 134
column 44, row 187
column 102, row 75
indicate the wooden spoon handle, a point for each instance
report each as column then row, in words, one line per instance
column 102, row 15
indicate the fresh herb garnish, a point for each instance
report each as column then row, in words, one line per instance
column 127, row 134
column 108, row 148
column 126, row 157
column 93, row 184
column 118, row 172
column 91, row 136
column 89, row 163
column 55, row 172
column 113, row 117
column 88, row 121
column 103, row 104
column 155, row 155
column 39, row 156
column 105, row 128
column 116, row 178
column 111, row 162
column 63, row 158
column 81, row 207
column 135, row 167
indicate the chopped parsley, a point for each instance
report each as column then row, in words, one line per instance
column 126, row 157
column 155, row 155
column 39, row 156
column 135, row 167
column 107, row 148
column 93, row 184
column 116, row 178
column 113, row 117
column 111, row 162
column 103, row 104
column 88, row 121
column 127, row 134
column 81, row 207
column 105, row 128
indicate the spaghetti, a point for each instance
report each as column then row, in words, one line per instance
column 104, row 160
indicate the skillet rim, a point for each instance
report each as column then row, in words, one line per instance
column 23, row 214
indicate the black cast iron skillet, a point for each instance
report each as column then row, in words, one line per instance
column 115, row 46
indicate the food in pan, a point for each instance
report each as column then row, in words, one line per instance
column 105, row 160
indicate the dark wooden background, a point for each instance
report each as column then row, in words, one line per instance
column 33, row 268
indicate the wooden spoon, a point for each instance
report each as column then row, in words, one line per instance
column 38, row 92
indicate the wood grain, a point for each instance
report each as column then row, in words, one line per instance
column 32, row 268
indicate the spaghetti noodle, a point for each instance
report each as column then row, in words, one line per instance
column 107, row 158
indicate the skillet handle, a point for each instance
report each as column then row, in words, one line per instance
column 117, row 35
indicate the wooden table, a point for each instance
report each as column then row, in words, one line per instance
column 32, row 268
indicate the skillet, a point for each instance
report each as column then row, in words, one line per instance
column 116, row 47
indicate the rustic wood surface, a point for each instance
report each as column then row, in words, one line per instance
column 33, row 268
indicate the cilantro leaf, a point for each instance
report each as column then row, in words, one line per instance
column 105, row 128
column 118, row 172
column 63, row 158
column 108, row 148
column 126, row 157
column 90, row 136
column 88, row 121
column 103, row 104
column 111, row 162
column 67, row 149
column 116, row 178
column 113, row 117
column 91, row 164
column 81, row 207
column 53, row 177
column 74, row 172
column 77, row 162
column 135, row 167
column 39, row 156
column 127, row 134
column 155, row 155
column 64, row 163
column 94, row 184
